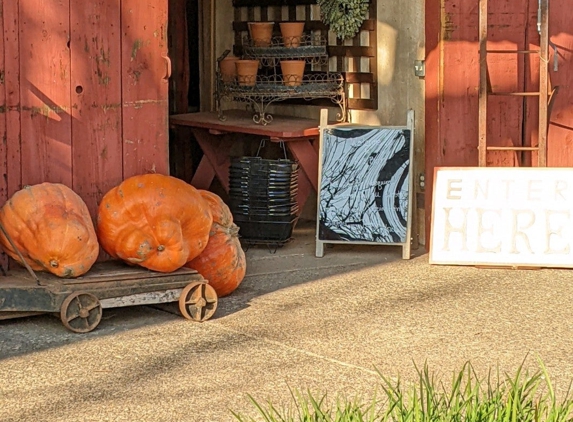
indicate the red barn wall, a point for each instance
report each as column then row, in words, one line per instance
column 452, row 77
column 83, row 93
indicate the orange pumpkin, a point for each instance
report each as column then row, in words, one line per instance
column 223, row 261
column 155, row 221
column 52, row 228
column 221, row 213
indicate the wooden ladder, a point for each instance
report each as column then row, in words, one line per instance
column 545, row 94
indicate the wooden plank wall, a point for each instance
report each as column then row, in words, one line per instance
column 452, row 70
column 83, row 93
column 96, row 93
column 145, row 86
column 11, row 46
column 560, row 135
column 45, row 92
column 3, row 128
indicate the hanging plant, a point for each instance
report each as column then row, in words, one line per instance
column 345, row 17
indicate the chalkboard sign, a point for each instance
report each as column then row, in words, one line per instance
column 365, row 185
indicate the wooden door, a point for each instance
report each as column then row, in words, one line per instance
column 452, row 77
column 560, row 135
column 145, row 75
column 83, row 93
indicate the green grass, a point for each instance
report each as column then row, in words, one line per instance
column 521, row 397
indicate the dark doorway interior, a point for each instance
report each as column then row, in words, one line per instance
column 184, row 92
column 193, row 43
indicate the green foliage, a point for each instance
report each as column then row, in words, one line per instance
column 345, row 17
column 521, row 398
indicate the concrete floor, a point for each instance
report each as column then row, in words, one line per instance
column 296, row 321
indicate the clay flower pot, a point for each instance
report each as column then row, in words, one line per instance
column 247, row 72
column 261, row 33
column 291, row 33
column 228, row 69
column 293, row 70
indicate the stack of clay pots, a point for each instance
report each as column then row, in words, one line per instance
column 244, row 72
column 292, row 70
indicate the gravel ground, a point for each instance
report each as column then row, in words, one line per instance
column 296, row 321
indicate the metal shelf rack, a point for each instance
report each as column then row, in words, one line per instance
column 268, row 89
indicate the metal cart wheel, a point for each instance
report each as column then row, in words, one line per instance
column 81, row 312
column 198, row 301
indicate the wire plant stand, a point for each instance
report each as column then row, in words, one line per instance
column 312, row 49
column 266, row 89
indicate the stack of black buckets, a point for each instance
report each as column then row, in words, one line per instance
column 263, row 199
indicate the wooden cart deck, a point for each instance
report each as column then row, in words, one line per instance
column 107, row 285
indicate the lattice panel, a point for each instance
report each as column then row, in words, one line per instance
column 355, row 59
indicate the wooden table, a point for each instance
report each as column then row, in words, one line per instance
column 299, row 135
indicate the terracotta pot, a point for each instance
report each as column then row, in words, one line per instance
column 247, row 72
column 228, row 68
column 291, row 33
column 293, row 70
column 261, row 33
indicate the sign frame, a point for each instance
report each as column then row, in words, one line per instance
column 516, row 221
column 407, row 243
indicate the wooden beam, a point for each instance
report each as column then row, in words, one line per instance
column 358, row 77
column 543, row 85
column 362, row 104
column 254, row 3
column 207, row 57
column 310, row 25
column 350, row 51
column 179, row 54
column 482, row 123
column 150, row 298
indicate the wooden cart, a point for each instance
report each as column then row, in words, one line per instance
column 80, row 301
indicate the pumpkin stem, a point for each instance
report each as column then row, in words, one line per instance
column 161, row 248
column 54, row 263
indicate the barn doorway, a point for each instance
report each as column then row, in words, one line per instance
column 185, row 93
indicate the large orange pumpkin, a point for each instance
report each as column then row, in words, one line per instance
column 221, row 213
column 155, row 221
column 52, row 228
column 223, row 262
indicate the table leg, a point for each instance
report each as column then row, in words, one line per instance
column 204, row 174
column 304, row 190
column 215, row 161
column 306, row 155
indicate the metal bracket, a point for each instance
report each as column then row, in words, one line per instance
column 420, row 68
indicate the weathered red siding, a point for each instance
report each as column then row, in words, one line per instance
column 45, row 92
column 3, row 145
column 145, row 87
column 13, row 175
column 560, row 137
column 83, row 100
column 96, row 96
column 452, row 79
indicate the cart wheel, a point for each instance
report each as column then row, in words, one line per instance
column 81, row 312
column 198, row 301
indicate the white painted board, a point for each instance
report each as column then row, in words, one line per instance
column 502, row 216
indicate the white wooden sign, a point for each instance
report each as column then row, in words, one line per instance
column 503, row 216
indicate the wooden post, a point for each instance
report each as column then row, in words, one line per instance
column 482, row 124
column 322, row 125
column 407, row 247
column 543, row 85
